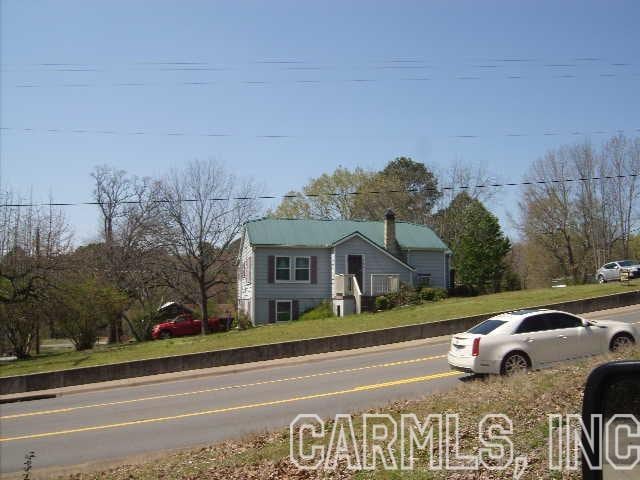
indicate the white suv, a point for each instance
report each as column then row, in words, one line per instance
column 531, row 339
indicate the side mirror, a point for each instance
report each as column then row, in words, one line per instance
column 611, row 422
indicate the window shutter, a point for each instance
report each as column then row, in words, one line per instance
column 272, row 268
column 295, row 309
column 249, row 269
column 314, row 269
column 272, row 311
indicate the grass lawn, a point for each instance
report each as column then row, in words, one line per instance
column 525, row 399
column 446, row 309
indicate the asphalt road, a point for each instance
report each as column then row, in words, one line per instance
column 116, row 423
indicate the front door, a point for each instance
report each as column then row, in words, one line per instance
column 354, row 267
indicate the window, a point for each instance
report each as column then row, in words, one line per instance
column 283, row 270
column 302, row 269
column 536, row 323
column 486, row 327
column 423, row 280
column 627, row 263
column 610, row 266
column 283, row 310
column 562, row 320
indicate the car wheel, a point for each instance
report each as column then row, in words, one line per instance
column 621, row 341
column 515, row 362
column 601, row 279
column 165, row 334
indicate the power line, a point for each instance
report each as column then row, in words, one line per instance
column 336, row 194
column 179, row 133
column 312, row 82
column 294, row 64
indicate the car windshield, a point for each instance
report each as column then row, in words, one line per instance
column 487, row 326
column 627, row 263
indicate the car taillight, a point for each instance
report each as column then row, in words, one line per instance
column 475, row 351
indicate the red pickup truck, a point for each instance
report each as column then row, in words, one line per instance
column 185, row 324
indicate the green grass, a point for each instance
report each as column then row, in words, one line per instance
column 446, row 309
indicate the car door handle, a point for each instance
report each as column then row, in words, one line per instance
column 562, row 337
column 529, row 340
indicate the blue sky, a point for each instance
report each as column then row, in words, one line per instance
column 434, row 70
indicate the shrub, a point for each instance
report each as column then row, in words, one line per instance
column 243, row 321
column 406, row 295
column 141, row 321
column 82, row 308
column 322, row 310
column 18, row 325
column 511, row 281
column 429, row 294
column 382, row 303
column 463, row 291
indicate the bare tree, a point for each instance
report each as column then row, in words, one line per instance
column 461, row 176
column 623, row 157
column 583, row 222
column 33, row 242
column 112, row 191
column 137, row 257
column 203, row 208
column 549, row 213
column 461, row 184
column 130, row 213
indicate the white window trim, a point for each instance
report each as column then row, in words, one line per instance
column 290, row 302
column 292, row 269
column 295, row 268
column 275, row 268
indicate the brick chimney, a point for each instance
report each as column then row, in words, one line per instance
column 390, row 242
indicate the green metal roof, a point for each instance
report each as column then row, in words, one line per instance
column 324, row 233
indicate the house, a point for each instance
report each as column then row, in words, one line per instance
column 288, row 266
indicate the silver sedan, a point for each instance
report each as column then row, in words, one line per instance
column 611, row 271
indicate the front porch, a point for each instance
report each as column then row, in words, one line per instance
column 349, row 298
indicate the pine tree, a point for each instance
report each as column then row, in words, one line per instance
column 479, row 253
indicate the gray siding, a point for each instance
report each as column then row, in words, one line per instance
column 375, row 261
column 307, row 294
column 255, row 291
column 432, row 262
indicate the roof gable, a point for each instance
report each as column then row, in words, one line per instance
column 374, row 245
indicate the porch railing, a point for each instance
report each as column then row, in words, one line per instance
column 357, row 295
column 381, row 284
column 344, row 284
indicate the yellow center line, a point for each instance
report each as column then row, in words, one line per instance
column 361, row 388
column 219, row 389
